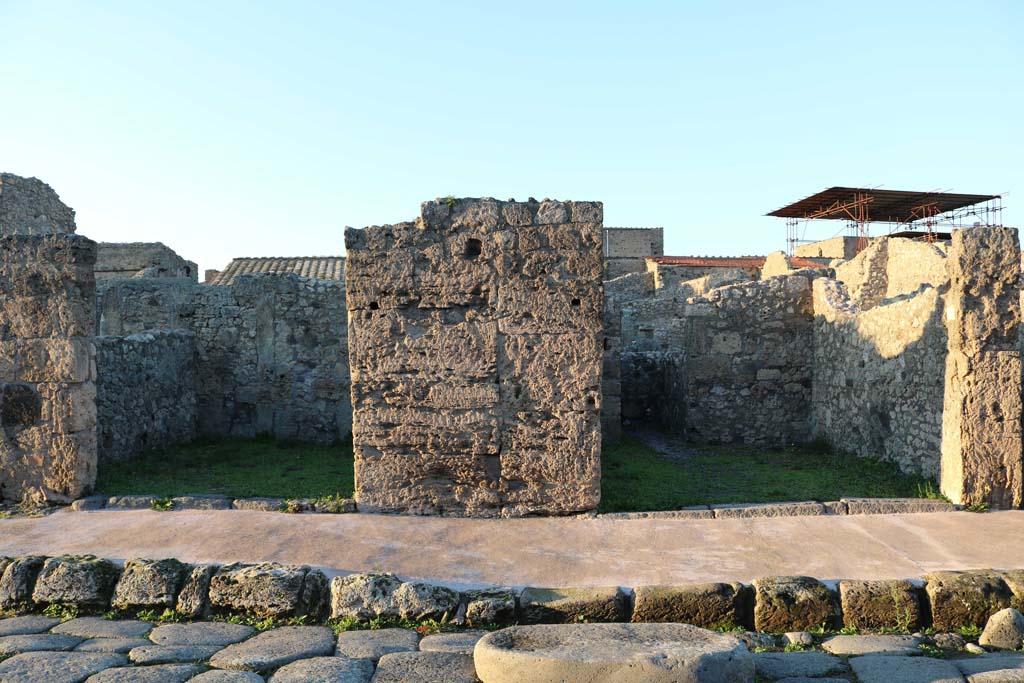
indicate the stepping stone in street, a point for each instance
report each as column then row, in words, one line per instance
column 325, row 670
column 872, row 645
column 97, row 627
column 218, row 676
column 167, row 673
column 888, row 668
column 797, row 664
column 427, row 667
column 374, row 644
column 122, row 645
column 57, row 667
column 275, row 648
column 12, row 645
column 201, row 633
column 648, row 653
column 172, row 654
column 27, row 625
column 461, row 643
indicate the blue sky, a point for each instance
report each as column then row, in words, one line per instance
column 245, row 128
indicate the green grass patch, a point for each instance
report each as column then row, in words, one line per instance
column 637, row 478
column 240, row 468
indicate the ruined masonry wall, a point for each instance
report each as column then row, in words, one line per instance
column 271, row 350
column 122, row 260
column 28, row 206
column 476, row 349
column 47, row 367
column 145, row 392
column 878, row 380
column 617, row 293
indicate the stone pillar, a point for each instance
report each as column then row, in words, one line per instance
column 475, row 343
column 981, row 425
column 47, row 367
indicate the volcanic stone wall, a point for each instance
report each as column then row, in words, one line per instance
column 476, row 354
column 271, row 350
column 28, row 206
column 145, row 392
column 47, row 366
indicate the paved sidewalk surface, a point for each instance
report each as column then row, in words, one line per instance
column 541, row 551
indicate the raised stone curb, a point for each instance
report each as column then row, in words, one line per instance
column 708, row 605
column 82, row 580
column 568, row 605
column 768, row 510
column 873, row 605
column 965, row 598
column 793, row 603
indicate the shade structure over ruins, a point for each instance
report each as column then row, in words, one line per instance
column 476, row 355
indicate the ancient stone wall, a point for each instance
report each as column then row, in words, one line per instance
column 878, row 375
column 617, row 293
column 28, row 206
column 271, row 350
column 667, row 275
column 145, row 392
column 842, row 247
column 891, row 266
column 47, row 365
column 626, row 248
column 122, row 260
column 982, row 459
column 476, row 354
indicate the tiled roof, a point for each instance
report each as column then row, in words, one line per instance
column 318, row 267
column 729, row 261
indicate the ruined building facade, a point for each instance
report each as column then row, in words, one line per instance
column 479, row 354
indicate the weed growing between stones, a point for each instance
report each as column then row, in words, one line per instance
column 162, row 504
column 62, row 612
column 168, row 616
column 425, row 627
column 976, row 507
column 972, row 631
column 260, row 623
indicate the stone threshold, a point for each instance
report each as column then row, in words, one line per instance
column 843, row 506
column 947, row 601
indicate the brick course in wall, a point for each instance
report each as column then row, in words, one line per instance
column 476, row 354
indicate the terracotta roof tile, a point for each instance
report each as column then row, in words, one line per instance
column 318, row 267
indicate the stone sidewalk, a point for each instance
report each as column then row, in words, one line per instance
column 541, row 551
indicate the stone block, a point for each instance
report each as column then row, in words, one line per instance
column 793, row 603
column 889, row 506
column 569, row 605
column 488, row 606
column 966, row 598
column 269, row 590
column 768, row 510
column 82, row 580
column 708, row 605
column 373, row 595
column 17, row 581
column 149, row 584
column 878, row 605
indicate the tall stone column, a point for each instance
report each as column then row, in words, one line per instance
column 981, row 424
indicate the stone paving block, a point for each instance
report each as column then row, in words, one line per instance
column 258, row 504
column 965, row 598
column 201, row 502
column 18, row 580
column 425, row 667
column 625, row 653
column 890, row 506
column 376, row 643
column 1009, row 666
column 167, row 673
column 269, row 590
column 743, row 511
column 793, row 603
column 172, row 654
column 82, row 580
column 97, row 627
column 793, row 664
column 872, row 645
column 149, row 584
column 218, row 676
column 10, row 645
column 461, row 642
column 194, row 597
column 875, row 605
column 567, row 605
column 325, row 670
column 708, row 605
column 89, row 503
column 887, row 669
column 56, row 667
column 273, row 649
column 201, row 633
column 25, row 625
column 135, row 502
column 118, row 645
